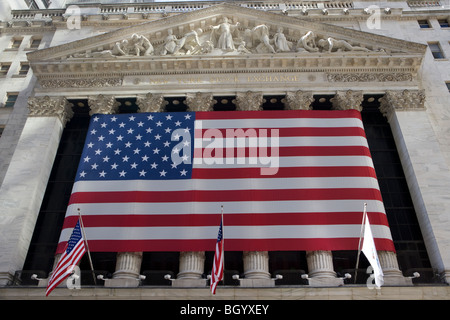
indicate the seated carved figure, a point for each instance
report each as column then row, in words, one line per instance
column 140, row 45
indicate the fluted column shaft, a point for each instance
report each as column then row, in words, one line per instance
column 25, row 181
column 128, row 265
column 192, row 265
column 256, row 264
column 320, row 264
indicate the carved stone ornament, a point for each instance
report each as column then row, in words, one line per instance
column 103, row 104
column 224, row 38
column 81, row 83
column 200, row 101
column 402, row 100
column 50, row 106
column 347, row 100
column 369, row 77
column 298, row 100
column 151, row 103
column 249, row 101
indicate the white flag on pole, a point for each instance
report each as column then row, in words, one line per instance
column 370, row 251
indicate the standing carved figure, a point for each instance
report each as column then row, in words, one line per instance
column 222, row 35
column 170, row 43
column 281, row 42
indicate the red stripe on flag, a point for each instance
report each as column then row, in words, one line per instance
column 284, row 172
column 225, row 195
column 232, row 245
column 278, row 114
column 233, row 219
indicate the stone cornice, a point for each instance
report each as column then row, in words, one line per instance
column 339, row 67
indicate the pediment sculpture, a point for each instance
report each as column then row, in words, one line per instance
column 226, row 37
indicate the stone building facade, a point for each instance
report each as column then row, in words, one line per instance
column 63, row 63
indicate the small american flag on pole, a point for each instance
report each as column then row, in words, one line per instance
column 217, row 270
column 73, row 253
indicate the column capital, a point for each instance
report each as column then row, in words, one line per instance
column 298, row 100
column 151, row 103
column 200, row 101
column 50, row 106
column 347, row 100
column 103, row 104
column 249, row 101
column 402, row 100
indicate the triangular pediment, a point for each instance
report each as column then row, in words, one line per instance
column 223, row 38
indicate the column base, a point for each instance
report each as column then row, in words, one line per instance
column 395, row 278
column 188, row 283
column 256, row 283
column 122, row 283
column 325, row 282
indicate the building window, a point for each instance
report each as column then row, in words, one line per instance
column 11, row 99
column 15, row 43
column 443, row 23
column 35, row 42
column 24, row 67
column 424, row 24
column 448, row 85
column 436, row 50
column 4, row 68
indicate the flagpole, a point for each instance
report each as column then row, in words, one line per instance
column 360, row 237
column 223, row 246
column 87, row 247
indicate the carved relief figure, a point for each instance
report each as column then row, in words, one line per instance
column 307, row 42
column 141, row 45
column 339, row 45
column 261, row 33
column 221, row 35
column 170, row 43
column 281, row 42
column 190, row 42
column 119, row 49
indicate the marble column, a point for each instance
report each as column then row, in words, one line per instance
column 425, row 168
column 128, row 267
column 128, row 264
column 320, row 263
column 191, row 269
column 25, row 182
column 256, row 263
column 256, row 269
column 192, row 263
column 320, row 269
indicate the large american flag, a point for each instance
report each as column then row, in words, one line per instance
column 74, row 251
column 156, row 181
